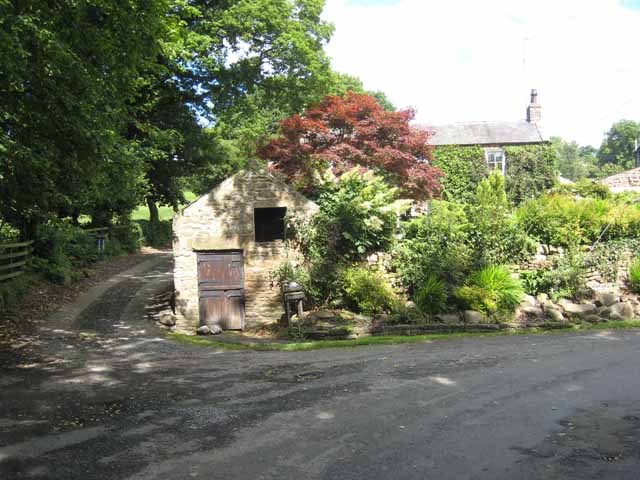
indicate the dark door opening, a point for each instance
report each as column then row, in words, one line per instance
column 269, row 223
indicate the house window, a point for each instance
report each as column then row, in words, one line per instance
column 269, row 223
column 496, row 159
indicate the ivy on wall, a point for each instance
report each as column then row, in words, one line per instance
column 464, row 167
column 530, row 170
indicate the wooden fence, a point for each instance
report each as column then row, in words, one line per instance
column 13, row 259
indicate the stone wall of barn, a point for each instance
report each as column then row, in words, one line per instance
column 223, row 220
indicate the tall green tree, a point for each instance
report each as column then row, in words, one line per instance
column 69, row 75
column 619, row 144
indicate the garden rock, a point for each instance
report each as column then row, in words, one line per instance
column 607, row 299
column 448, row 318
column 623, row 310
column 580, row 309
column 532, row 311
column 555, row 314
column 604, row 312
column 168, row 319
column 471, row 316
column 528, row 301
column 203, row 330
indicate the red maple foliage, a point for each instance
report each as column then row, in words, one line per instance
column 341, row 133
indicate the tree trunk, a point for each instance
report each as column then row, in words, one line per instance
column 154, row 215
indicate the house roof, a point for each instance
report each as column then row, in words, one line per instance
column 625, row 181
column 486, row 133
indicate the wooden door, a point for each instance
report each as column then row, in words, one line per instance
column 221, row 288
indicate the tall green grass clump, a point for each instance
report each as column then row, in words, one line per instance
column 491, row 290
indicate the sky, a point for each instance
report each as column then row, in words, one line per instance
column 470, row 60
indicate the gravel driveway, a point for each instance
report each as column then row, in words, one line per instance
column 107, row 397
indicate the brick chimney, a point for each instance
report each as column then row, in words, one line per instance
column 534, row 111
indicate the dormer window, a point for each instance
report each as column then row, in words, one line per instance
column 496, row 159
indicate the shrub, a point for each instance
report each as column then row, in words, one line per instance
column 495, row 235
column 584, row 188
column 431, row 298
column 491, row 290
column 357, row 217
column 129, row 236
column 565, row 278
column 564, row 220
column 61, row 250
column 634, row 275
column 367, row 290
column 436, row 244
column 158, row 234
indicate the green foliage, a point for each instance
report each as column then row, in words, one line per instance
column 158, row 234
column 494, row 232
column 464, row 168
column 435, row 244
column 12, row 291
column 61, row 250
column 357, row 217
column 431, row 297
column 584, row 188
column 619, row 144
column 566, row 220
column 367, row 290
column 573, row 161
column 491, row 290
column 634, row 275
column 565, row 278
column 530, row 171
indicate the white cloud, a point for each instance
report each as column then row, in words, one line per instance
column 462, row 60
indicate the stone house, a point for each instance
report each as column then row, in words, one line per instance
column 225, row 247
column 494, row 136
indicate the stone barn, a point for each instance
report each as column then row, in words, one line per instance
column 225, row 247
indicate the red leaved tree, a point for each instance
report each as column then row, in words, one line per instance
column 345, row 132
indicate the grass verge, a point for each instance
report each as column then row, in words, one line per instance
column 385, row 340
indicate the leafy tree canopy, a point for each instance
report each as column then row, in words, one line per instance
column 619, row 144
column 344, row 132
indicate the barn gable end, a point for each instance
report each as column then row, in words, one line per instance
column 223, row 221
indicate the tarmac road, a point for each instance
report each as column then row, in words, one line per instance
column 107, row 397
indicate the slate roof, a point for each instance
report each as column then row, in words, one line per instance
column 486, row 133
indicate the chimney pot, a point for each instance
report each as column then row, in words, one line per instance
column 534, row 110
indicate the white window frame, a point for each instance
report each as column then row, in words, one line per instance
column 493, row 164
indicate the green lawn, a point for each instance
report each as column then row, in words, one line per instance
column 166, row 213
column 384, row 340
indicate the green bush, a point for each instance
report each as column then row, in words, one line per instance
column 634, row 275
column 496, row 236
column 357, row 217
column 431, row 298
column 367, row 290
column 435, row 244
column 565, row 278
column 61, row 250
column 128, row 235
column 491, row 290
column 158, row 234
column 564, row 220
column 584, row 188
